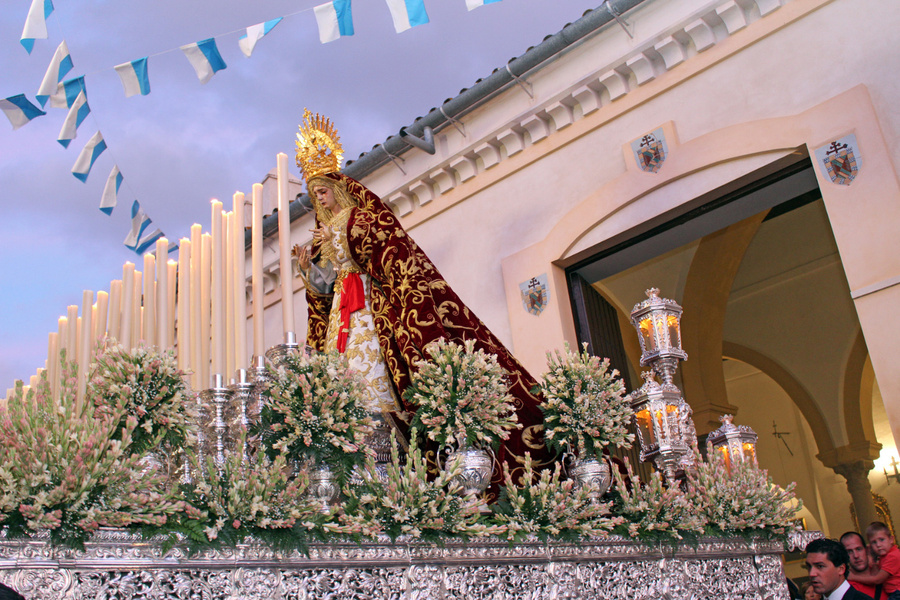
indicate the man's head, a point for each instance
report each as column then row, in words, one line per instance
column 827, row 563
column 856, row 550
column 880, row 538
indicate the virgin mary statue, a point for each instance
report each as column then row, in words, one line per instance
column 374, row 295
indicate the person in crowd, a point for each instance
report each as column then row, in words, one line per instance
column 827, row 562
column 7, row 593
column 888, row 575
column 808, row 593
column 861, row 561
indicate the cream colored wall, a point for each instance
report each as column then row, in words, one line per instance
column 536, row 180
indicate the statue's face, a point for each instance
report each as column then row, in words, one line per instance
column 326, row 198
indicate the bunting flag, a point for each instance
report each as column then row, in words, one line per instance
column 473, row 4
column 134, row 77
column 247, row 42
column 67, row 92
column 136, row 240
column 111, row 190
column 334, row 20
column 60, row 65
column 94, row 148
column 139, row 222
column 19, row 110
column 77, row 113
column 407, row 13
column 149, row 240
column 205, row 58
column 36, row 23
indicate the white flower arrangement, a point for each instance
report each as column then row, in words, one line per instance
column 742, row 498
column 315, row 410
column 462, row 396
column 410, row 503
column 654, row 509
column 68, row 470
column 551, row 507
column 584, row 405
column 146, row 384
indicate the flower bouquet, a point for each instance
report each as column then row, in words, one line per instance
column 462, row 397
column 145, row 384
column 67, row 470
column 584, row 405
column 314, row 411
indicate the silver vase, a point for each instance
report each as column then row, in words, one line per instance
column 591, row 472
column 323, row 486
column 477, row 466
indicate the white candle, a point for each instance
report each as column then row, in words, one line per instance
column 161, row 297
column 171, row 274
column 102, row 314
column 93, row 332
column 115, row 309
column 284, row 243
column 72, row 334
column 241, row 360
column 196, row 313
column 137, row 311
column 87, row 343
column 205, row 279
column 127, row 305
column 148, row 319
column 218, row 290
column 53, row 362
column 184, row 305
column 228, row 231
column 256, row 250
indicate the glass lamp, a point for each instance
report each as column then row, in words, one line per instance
column 658, row 324
column 735, row 442
column 664, row 426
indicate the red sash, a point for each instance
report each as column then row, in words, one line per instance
column 353, row 298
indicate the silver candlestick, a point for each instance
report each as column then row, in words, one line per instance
column 218, row 398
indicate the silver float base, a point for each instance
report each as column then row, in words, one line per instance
column 116, row 565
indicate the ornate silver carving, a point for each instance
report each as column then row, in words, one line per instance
column 117, row 565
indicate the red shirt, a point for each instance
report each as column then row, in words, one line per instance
column 890, row 562
column 868, row 590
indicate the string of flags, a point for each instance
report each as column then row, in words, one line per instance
column 334, row 20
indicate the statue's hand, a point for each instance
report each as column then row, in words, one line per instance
column 322, row 234
column 304, row 259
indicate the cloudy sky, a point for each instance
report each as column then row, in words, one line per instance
column 186, row 143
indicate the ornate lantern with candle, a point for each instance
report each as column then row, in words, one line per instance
column 664, row 426
column 662, row 417
column 658, row 324
column 735, row 442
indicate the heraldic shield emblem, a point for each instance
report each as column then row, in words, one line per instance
column 535, row 294
column 650, row 151
column 840, row 160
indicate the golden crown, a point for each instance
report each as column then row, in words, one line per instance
column 319, row 148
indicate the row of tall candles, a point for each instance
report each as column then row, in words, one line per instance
column 203, row 292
